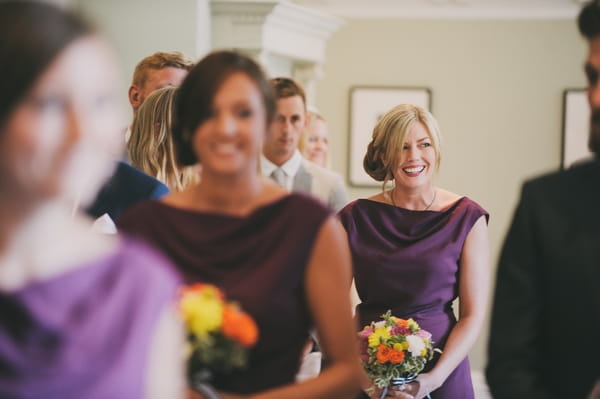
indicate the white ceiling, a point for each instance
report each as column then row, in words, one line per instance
column 470, row 9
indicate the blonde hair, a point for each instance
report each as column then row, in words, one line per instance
column 312, row 119
column 389, row 135
column 151, row 147
column 157, row 61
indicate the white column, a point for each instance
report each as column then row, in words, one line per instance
column 287, row 39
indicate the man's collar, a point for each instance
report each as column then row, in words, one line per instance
column 290, row 167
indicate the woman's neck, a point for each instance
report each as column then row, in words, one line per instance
column 421, row 199
column 236, row 196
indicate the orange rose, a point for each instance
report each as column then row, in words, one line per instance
column 396, row 356
column 400, row 322
column 239, row 326
column 383, row 353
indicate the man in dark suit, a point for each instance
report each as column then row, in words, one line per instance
column 126, row 187
column 546, row 314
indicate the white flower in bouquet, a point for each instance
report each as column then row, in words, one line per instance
column 416, row 346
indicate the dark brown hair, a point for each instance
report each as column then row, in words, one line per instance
column 589, row 26
column 286, row 87
column 589, row 20
column 194, row 102
column 32, row 35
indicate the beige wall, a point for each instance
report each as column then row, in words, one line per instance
column 496, row 92
column 138, row 28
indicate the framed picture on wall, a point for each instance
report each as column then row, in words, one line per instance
column 576, row 126
column 367, row 105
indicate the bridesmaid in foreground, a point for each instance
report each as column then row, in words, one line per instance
column 282, row 256
column 416, row 247
column 82, row 315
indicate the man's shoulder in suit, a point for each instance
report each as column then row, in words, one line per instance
column 125, row 187
column 575, row 190
column 576, row 175
column 320, row 172
column 327, row 185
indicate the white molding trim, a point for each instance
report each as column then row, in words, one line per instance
column 447, row 9
column 277, row 27
column 287, row 39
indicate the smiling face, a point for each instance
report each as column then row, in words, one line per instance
column 62, row 138
column 229, row 141
column 316, row 144
column 417, row 159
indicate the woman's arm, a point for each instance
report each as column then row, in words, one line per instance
column 473, row 296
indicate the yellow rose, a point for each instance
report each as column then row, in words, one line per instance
column 400, row 346
column 202, row 310
column 373, row 340
column 207, row 317
column 379, row 334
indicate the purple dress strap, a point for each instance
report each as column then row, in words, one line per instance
column 87, row 332
column 408, row 261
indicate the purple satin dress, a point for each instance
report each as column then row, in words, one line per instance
column 87, row 332
column 407, row 261
column 259, row 261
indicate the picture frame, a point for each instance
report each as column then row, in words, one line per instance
column 576, row 126
column 367, row 105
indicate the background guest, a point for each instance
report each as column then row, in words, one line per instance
column 547, row 284
column 161, row 69
column 282, row 256
column 75, row 322
column 281, row 159
column 129, row 185
column 151, row 147
column 416, row 247
column 314, row 141
column 126, row 187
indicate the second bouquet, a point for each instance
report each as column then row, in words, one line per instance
column 394, row 351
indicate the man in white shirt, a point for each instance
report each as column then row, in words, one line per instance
column 281, row 159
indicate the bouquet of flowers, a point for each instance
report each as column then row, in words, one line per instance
column 394, row 351
column 219, row 332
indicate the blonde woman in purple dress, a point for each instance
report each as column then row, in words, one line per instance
column 417, row 247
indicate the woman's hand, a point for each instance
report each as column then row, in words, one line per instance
column 192, row 394
column 426, row 384
column 595, row 394
column 405, row 392
column 230, row 396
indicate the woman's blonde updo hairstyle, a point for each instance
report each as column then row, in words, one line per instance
column 389, row 135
